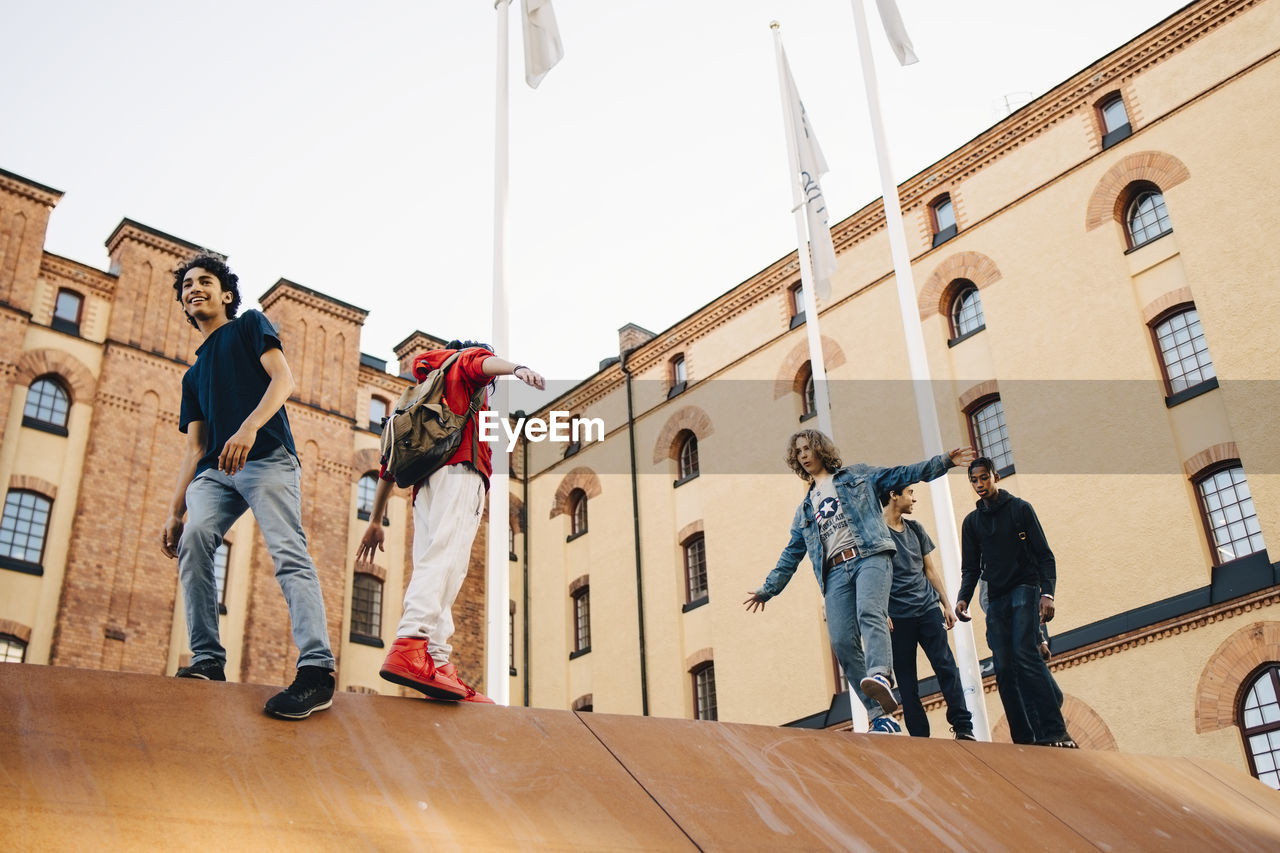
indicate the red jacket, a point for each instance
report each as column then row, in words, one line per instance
column 465, row 376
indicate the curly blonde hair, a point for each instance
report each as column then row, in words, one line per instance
column 820, row 444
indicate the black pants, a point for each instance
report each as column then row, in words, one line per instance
column 930, row 633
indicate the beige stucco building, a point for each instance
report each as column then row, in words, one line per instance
column 1096, row 280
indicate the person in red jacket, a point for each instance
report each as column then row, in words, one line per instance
column 447, row 507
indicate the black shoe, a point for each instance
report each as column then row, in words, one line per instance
column 209, row 670
column 311, row 691
column 963, row 734
column 1065, row 743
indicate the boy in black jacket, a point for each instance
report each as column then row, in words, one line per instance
column 1003, row 544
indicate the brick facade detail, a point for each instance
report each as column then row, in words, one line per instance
column 1223, row 678
column 1108, row 199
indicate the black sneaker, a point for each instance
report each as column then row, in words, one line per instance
column 311, row 691
column 963, row 734
column 209, row 670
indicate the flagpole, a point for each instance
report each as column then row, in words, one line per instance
column 817, row 363
column 930, row 431
column 498, row 581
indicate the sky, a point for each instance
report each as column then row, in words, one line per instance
column 349, row 147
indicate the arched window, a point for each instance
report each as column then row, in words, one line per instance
column 66, row 312
column 808, row 393
column 1259, row 720
column 943, row 217
column 365, row 491
column 1228, row 512
column 1184, row 355
column 12, row 650
column 22, row 531
column 687, row 459
column 990, row 435
column 47, row 406
column 679, row 376
column 1146, row 217
column 704, row 691
column 577, row 513
column 366, row 606
column 1114, row 119
column 966, row 311
column 695, row 569
column 378, row 409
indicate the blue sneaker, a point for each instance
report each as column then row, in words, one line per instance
column 885, row 725
column 878, row 688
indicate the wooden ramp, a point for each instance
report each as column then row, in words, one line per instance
column 112, row 761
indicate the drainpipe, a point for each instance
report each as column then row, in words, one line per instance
column 524, row 534
column 635, row 516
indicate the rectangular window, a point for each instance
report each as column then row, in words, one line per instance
column 991, row 436
column 66, row 312
column 366, row 605
column 1230, row 515
column 582, row 620
column 220, row 558
column 695, row 568
column 704, row 691
column 12, row 650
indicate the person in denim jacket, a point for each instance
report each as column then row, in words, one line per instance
column 840, row 527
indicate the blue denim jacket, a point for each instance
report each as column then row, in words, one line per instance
column 856, row 486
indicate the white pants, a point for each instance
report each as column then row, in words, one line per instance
column 446, row 516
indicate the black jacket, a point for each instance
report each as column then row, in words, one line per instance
column 1005, row 545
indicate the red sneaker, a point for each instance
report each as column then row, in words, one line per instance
column 408, row 663
column 451, row 671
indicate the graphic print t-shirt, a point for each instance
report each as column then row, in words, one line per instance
column 832, row 523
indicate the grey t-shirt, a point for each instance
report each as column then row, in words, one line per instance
column 832, row 523
column 911, row 594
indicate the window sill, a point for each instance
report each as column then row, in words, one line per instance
column 571, row 448
column 695, row 604
column 512, row 672
column 67, row 327
column 676, row 389
column 21, row 566
column 1190, row 393
column 579, row 653
column 796, row 320
column 1006, row 471
column 573, row 536
column 366, row 640
column 678, row 483
column 222, row 609
column 511, row 555
column 966, row 335
column 43, row 426
column 808, row 416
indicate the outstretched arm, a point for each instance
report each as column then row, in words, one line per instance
column 495, row 366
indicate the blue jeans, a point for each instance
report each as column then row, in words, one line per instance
column 271, row 488
column 930, row 632
column 857, row 597
column 1027, row 689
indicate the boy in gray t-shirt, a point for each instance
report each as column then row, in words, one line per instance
column 916, row 592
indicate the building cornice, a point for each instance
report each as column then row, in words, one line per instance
column 56, row 266
column 313, row 299
column 26, row 188
column 154, row 238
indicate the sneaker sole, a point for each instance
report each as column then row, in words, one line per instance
column 426, row 689
column 880, row 693
column 280, row 715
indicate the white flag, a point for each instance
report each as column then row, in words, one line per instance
column 542, row 48
column 897, row 33
column 812, row 167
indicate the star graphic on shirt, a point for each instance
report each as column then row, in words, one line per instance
column 828, row 508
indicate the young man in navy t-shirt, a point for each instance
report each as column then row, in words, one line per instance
column 239, row 456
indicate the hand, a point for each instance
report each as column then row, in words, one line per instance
column 170, row 535
column 371, row 541
column 529, row 377
column 948, row 617
column 890, row 618
column 962, row 456
column 1046, row 609
column 754, row 602
column 236, row 451
column 962, row 611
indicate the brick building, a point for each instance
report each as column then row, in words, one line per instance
column 91, row 362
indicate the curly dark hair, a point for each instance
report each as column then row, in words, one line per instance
column 216, row 265
column 820, row 445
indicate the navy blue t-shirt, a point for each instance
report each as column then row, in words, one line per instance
column 911, row 595
column 227, row 383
